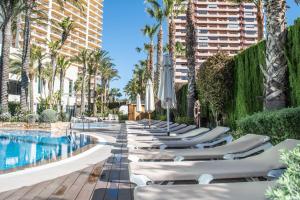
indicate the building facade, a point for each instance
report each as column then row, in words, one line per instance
column 220, row 26
column 86, row 35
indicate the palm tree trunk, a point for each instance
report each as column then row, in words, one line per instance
column 159, row 55
column 82, row 100
column 61, row 89
column 191, row 49
column 31, row 97
column 260, row 20
column 25, row 61
column 6, row 43
column 151, row 72
column 89, row 93
column 276, row 64
column 172, row 44
column 95, row 93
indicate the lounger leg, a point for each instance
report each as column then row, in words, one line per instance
column 139, row 180
column 275, row 173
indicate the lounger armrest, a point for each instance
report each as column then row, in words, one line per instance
column 205, row 179
column 140, row 180
column 225, row 138
column 232, row 156
column 133, row 158
column 178, row 159
column 275, row 173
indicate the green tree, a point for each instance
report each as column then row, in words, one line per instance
column 156, row 11
column 150, row 31
column 83, row 58
column 63, row 65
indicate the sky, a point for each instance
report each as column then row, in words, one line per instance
column 122, row 24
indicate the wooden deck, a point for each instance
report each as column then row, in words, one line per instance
column 108, row 180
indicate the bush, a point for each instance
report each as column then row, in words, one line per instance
column 5, row 117
column 14, row 108
column 279, row 125
column 287, row 187
column 49, row 116
column 122, row 118
column 184, row 120
column 32, row 118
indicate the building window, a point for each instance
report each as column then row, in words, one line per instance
column 249, row 13
column 203, row 44
column 70, row 88
column 213, row 38
column 203, row 12
column 249, row 19
column 233, row 26
column 249, row 7
column 14, row 87
column 202, row 31
column 212, row 6
column 250, row 32
column 232, row 19
column 203, row 38
column 250, row 26
column 182, row 70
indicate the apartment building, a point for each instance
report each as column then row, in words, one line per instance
column 87, row 35
column 220, row 26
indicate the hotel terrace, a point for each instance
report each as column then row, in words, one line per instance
column 221, row 25
column 87, row 35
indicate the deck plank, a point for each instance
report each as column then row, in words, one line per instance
column 88, row 188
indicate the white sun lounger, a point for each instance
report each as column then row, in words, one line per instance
column 173, row 135
column 224, row 191
column 243, row 147
column 262, row 165
column 211, row 138
column 155, row 131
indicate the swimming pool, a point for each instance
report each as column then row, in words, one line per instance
column 27, row 148
column 90, row 125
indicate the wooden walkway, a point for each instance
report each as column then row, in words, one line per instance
column 108, row 180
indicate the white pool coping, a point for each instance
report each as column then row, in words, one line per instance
column 38, row 174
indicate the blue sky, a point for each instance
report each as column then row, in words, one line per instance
column 123, row 20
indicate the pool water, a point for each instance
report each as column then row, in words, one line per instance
column 91, row 125
column 23, row 148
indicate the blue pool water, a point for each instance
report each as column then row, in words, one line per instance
column 92, row 125
column 22, row 148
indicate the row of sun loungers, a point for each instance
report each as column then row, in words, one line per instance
column 195, row 163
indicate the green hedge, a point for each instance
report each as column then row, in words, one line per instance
column 181, row 96
column 293, row 58
column 248, row 78
column 279, row 125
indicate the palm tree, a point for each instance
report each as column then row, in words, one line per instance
column 156, row 12
column 150, row 32
column 191, row 47
column 171, row 9
column 63, row 65
column 83, row 58
column 66, row 25
column 9, row 10
column 115, row 93
column 33, row 70
column 100, row 57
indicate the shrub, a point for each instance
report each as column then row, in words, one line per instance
column 184, row 120
column 14, row 108
column 215, row 84
column 5, row 117
column 279, row 125
column 32, row 118
column 122, row 118
column 49, row 116
column 287, row 187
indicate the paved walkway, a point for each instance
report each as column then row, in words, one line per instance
column 108, row 180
